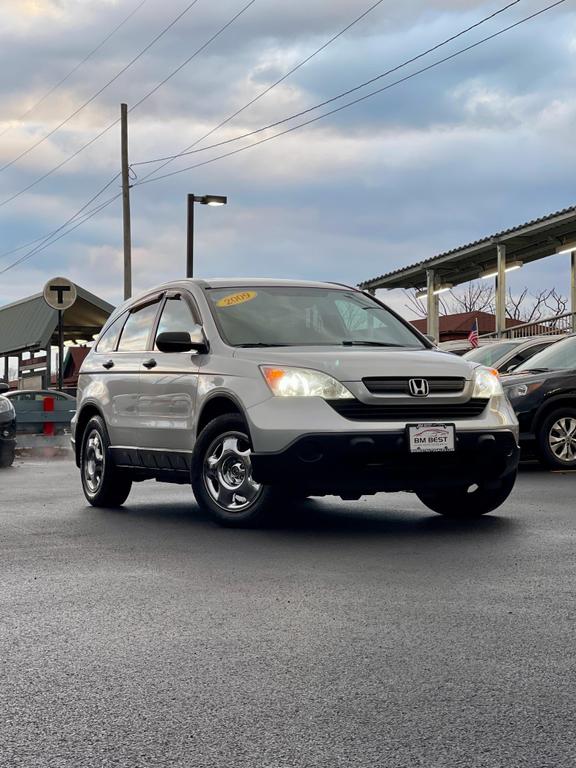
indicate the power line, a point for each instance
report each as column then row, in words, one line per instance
column 344, row 106
column 83, row 220
column 169, row 158
column 102, row 89
column 270, row 87
column 76, row 67
column 115, row 122
column 44, row 238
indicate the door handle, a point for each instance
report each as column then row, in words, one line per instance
column 108, row 364
column 150, row 363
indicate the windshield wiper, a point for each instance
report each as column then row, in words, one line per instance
column 531, row 370
column 262, row 344
column 369, row 344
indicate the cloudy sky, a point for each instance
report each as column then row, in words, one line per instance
column 481, row 143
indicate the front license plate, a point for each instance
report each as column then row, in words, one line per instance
column 431, row 438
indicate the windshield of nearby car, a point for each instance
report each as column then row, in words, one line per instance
column 559, row 356
column 302, row 315
column 492, row 353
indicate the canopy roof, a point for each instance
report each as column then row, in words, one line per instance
column 528, row 242
column 30, row 324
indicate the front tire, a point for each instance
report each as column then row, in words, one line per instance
column 470, row 502
column 556, row 439
column 222, row 475
column 103, row 484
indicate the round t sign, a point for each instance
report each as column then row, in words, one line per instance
column 60, row 293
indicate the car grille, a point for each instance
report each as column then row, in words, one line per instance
column 357, row 411
column 388, row 385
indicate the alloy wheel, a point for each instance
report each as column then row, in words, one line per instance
column 227, row 473
column 94, row 461
column 562, row 439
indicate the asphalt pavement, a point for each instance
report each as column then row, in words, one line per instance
column 368, row 633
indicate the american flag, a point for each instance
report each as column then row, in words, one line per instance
column 473, row 335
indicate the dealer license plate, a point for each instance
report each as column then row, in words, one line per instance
column 431, row 438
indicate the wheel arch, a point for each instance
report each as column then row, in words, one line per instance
column 86, row 413
column 219, row 404
column 550, row 405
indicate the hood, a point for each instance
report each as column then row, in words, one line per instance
column 355, row 363
column 528, row 377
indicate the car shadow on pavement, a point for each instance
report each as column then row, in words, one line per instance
column 331, row 516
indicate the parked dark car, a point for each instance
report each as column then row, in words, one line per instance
column 543, row 393
column 7, row 429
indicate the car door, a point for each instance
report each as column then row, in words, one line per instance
column 117, row 365
column 169, row 382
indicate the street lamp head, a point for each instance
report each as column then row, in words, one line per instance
column 213, row 200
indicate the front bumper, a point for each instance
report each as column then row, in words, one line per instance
column 370, row 462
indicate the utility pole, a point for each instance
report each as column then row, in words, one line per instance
column 126, row 203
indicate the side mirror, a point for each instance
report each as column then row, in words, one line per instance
column 4, row 387
column 183, row 341
column 430, row 338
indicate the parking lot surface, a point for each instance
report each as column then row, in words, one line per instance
column 369, row 633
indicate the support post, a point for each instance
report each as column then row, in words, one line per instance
column 48, row 374
column 573, row 288
column 60, row 350
column 501, row 291
column 6, row 369
column 190, row 238
column 126, row 203
column 432, row 303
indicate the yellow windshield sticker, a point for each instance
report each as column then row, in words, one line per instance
column 236, row 298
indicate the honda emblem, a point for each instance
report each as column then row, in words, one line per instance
column 418, row 387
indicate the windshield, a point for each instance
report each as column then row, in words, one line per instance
column 559, row 356
column 298, row 316
column 490, row 354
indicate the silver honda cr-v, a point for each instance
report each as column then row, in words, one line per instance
column 263, row 392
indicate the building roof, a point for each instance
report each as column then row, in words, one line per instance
column 461, row 322
column 527, row 242
column 30, row 324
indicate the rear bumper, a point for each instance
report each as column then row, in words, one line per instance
column 373, row 462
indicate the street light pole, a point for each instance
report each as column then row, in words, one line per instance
column 212, row 200
column 190, row 239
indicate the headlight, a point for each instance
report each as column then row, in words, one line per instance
column 521, row 390
column 303, row 382
column 487, row 383
column 5, row 405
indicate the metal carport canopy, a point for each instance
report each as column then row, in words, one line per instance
column 29, row 325
column 496, row 255
column 526, row 243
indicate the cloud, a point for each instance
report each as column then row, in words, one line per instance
column 474, row 146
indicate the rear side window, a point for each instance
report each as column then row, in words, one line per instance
column 108, row 342
column 134, row 337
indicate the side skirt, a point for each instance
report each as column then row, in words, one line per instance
column 148, row 463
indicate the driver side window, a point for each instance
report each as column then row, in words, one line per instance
column 176, row 316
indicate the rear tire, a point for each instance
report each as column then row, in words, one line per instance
column 7, row 455
column 466, row 504
column 222, row 476
column 556, row 439
column 103, row 484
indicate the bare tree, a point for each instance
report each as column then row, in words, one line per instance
column 524, row 307
column 529, row 308
column 474, row 298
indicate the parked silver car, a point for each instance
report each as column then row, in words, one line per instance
column 506, row 354
column 260, row 392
